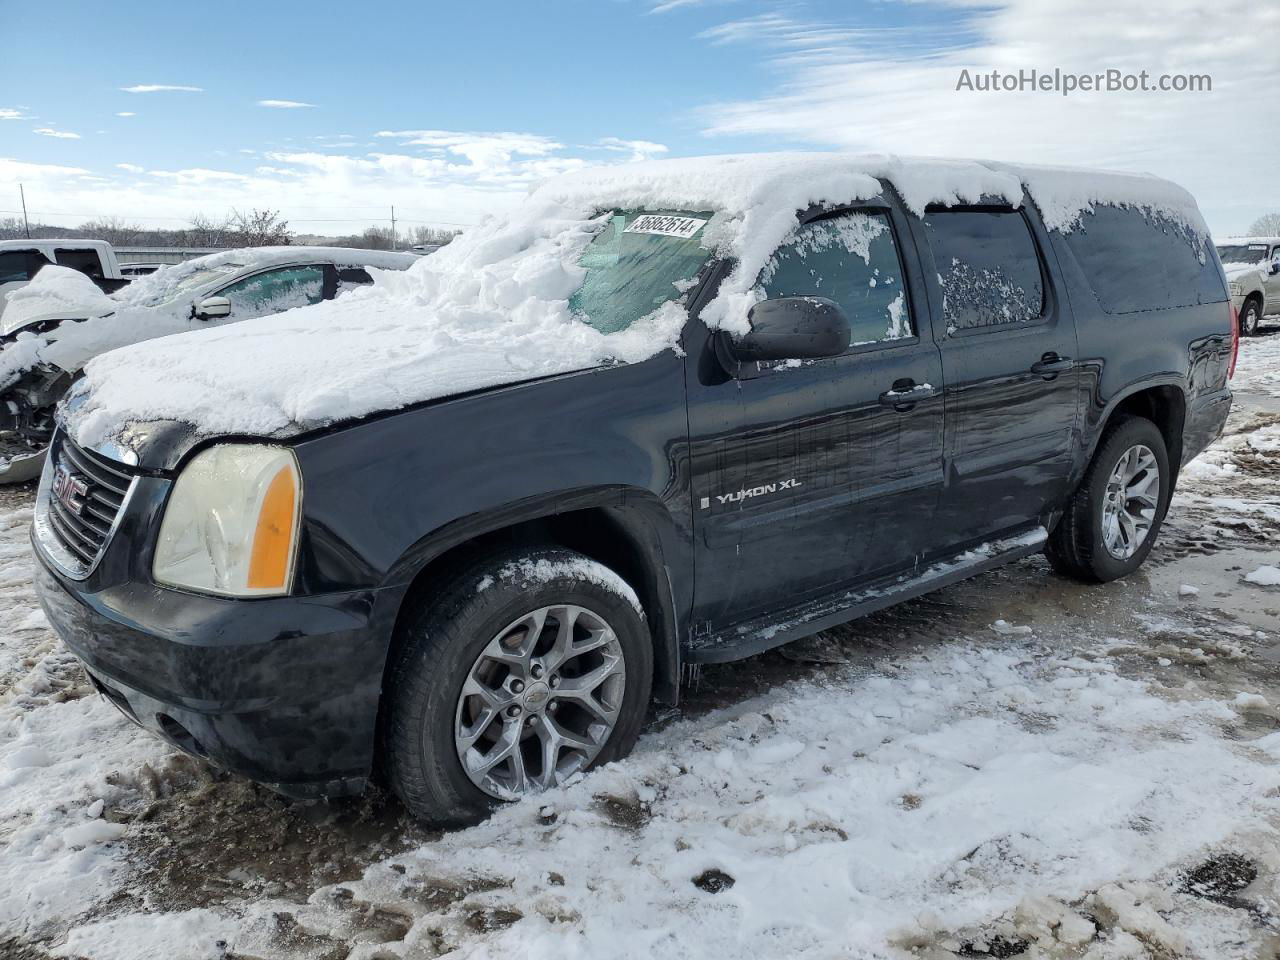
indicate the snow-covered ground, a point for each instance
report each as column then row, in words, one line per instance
column 1015, row 765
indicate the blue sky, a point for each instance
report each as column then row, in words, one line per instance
column 475, row 101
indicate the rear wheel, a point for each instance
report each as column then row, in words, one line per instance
column 1111, row 522
column 1250, row 318
column 529, row 667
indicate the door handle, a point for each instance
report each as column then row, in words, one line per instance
column 1050, row 365
column 905, row 394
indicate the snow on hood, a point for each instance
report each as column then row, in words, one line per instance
column 492, row 308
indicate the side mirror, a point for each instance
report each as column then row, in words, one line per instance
column 1275, row 267
column 211, row 307
column 789, row 328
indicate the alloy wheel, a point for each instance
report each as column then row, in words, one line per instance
column 1131, row 500
column 541, row 701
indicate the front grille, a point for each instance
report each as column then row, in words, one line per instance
column 86, row 494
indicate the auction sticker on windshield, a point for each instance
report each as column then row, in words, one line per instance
column 685, row 227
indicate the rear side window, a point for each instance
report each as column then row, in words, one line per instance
column 86, row 261
column 851, row 259
column 988, row 267
column 1136, row 260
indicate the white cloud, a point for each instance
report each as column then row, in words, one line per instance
column 129, row 167
column 284, row 104
column 126, row 113
column 8, row 113
column 639, row 149
column 60, row 134
column 885, row 91
column 162, row 88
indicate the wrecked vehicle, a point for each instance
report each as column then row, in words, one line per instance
column 61, row 319
column 456, row 530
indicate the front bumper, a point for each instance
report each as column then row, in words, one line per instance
column 283, row 690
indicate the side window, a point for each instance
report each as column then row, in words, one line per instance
column 351, row 278
column 1137, row 260
column 86, row 261
column 850, row 258
column 16, row 265
column 275, row 291
column 988, row 267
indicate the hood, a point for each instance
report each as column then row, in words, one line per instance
column 1235, row 271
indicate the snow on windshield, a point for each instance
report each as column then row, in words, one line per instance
column 505, row 302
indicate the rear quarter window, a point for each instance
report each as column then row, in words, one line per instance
column 1136, row 260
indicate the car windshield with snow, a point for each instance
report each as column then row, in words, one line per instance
column 61, row 319
column 459, row 530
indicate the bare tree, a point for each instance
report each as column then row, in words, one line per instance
column 115, row 230
column 378, row 238
column 261, row 228
column 424, row 235
column 1267, row 225
column 204, row 231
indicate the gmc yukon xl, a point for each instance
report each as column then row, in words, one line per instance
column 457, row 532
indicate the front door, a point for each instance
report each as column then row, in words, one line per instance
column 811, row 475
column 1009, row 362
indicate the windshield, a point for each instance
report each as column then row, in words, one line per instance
column 1242, row 252
column 638, row 262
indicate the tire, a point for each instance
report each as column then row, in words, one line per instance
column 1079, row 547
column 447, row 647
column 1250, row 318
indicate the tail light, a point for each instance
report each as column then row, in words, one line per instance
column 1235, row 338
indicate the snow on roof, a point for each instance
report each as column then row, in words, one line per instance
column 492, row 307
column 1238, row 240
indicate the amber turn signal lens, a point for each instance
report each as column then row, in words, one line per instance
column 273, row 539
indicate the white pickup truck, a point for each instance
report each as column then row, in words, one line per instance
column 20, row 260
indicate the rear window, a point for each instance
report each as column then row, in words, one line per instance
column 86, row 261
column 988, row 267
column 1136, row 260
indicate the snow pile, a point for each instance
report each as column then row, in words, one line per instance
column 1264, row 576
column 55, row 291
column 491, row 308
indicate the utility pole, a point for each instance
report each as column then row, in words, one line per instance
column 25, row 223
column 394, row 244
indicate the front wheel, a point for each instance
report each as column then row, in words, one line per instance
column 1112, row 520
column 526, row 669
column 1250, row 318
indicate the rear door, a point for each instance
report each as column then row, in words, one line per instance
column 1008, row 344
column 812, row 475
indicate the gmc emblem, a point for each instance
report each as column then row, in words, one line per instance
column 70, row 489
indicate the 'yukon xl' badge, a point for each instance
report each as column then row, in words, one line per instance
column 70, row 489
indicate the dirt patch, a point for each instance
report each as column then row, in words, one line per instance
column 210, row 838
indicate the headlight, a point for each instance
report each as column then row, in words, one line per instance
column 231, row 525
column 1235, row 288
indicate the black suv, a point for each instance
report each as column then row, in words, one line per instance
column 476, row 596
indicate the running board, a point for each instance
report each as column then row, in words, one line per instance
column 764, row 633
